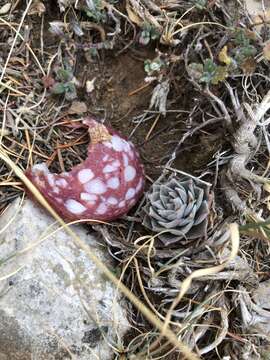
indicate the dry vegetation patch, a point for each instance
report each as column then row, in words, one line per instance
column 188, row 83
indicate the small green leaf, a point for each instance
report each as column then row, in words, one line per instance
column 153, row 66
column 209, row 69
column 210, row 72
column 64, row 75
column 200, row 4
column 209, row 66
column 58, row 88
column 94, row 10
column 70, row 91
column 149, row 32
column 220, row 75
column 242, row 53
column 240, row 38
column 144, row 37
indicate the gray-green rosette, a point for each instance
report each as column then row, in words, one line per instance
column 180, row 207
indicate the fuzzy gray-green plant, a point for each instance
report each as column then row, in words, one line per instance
column 180, row 207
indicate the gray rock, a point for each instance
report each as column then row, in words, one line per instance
column 261, row 295
column 54, row 302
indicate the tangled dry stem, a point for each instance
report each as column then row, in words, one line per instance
column 243, row 140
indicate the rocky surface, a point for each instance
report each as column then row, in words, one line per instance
column 55, row 303
column 261, row 310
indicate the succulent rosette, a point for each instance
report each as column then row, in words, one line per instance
column 178, row 210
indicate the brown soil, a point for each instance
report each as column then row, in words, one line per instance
column 121, row 94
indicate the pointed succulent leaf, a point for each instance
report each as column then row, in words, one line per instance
column 199, row 193
column 178, row 202
column 202, row 213
column 189, row 208
column 158, row 204
column 182, row 193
